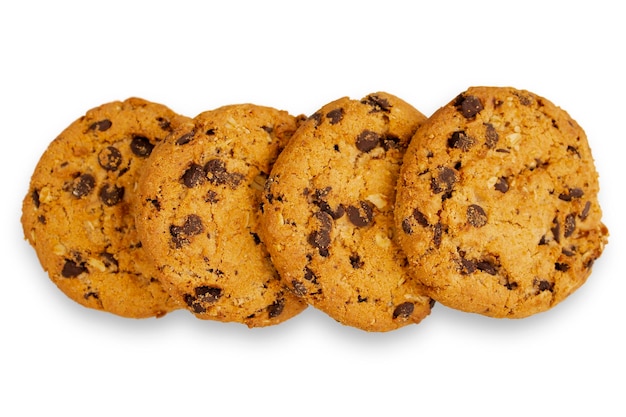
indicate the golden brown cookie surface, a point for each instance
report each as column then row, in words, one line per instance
column 328, row 213
column 198, row 209
column 497, row 204
column 76, row 213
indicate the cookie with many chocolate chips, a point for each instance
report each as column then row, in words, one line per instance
column 328, row 213
column 76, row 213
column 197, row 214
column 497, row 204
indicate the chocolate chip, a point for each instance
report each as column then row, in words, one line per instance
column 585, row 212
column 316, row 118
column 309, row 275
column 101, row 125
column 109, row 261
column 556, row 230
column 421, row 219
column 468, row 106
column 35, row 197
column 191, row 227
column 276, row 308
column 510, row 285
column 570, row 225
column 211, row 197
column 110, row 194
column 298, row 288
column 335, row 116
column 216, row 173
column 406, row 226
column 467, row 266
column 110, row 158
column 193, row 176
column 319, row 199
column 390, row 142
column 208, row 294
column 164, row 124
column 561, row 266
column 542, row 285
column 355, row 261
column 185, row 139
column 141, row 146
column 443, row 181
column 378, row 104
column 360, row 216
column 367, row 140
column 72, row 269
column 320, row 238
column 83, row 185
column 570, row 251
column 476, row 216
column 502, row 185
column 571, row 194
column 491, row 136
column 403, row 310
column 460, row 140
column 437, row 234
column 487, row 266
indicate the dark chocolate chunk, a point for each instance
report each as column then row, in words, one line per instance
column 561, row 266
column 35, row 196
column 571, row 194
column 141, row 146
column 360, row 216
column 101, row 125
column 444, row 180
column 487, row 266
column 556, row 230
column 570, row 225
column 109, row 261
column 217, row 174
column 406, row 226
column 335, row 115
column 110, row 158
column 309, row 275
column 367, row 140
column 208, row 294
column 378, row 104
column 276, row 308
column 460, row 140
column 110, row 194
column 502, row 185
column 72, row 269
column 185, row 139
column 191, row 227
column 476, row 216
column 83, row 185
column 193, row 176
column 316, row 118
column 403, row 310
column 585, row 212
column 468, row 106
column 320, row 238
column 420, row 218
column 491, row 136
column 542, row 285
column 298, row 288
column 355, row 261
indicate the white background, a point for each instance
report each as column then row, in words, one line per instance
column 60, row 58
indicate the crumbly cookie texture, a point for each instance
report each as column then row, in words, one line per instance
column 328, row 213
column 76, row 213
column 497, row 205
column 197, row 214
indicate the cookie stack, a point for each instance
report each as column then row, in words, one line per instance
column 367, row 209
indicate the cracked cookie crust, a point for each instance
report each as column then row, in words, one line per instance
column 76, row 214
column 328, row 213
column 497, row 204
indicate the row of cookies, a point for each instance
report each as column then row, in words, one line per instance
column 248, row 214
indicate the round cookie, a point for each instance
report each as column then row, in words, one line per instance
column 328, row 213
column 497, row 204
column 76, row 213
column 198, row 209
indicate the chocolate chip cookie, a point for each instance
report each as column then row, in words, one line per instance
column 497, row 204
column 76, row 213
column 328, row 213
column 198, row 209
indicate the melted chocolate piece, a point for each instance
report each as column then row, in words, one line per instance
column 378, row 104
column 335, row 116
column 444, row 180
column 360, row 216
column 111, row 194
column 181, row 234
column 460, row 140
column 193, row 176
column 110, row 158
column 101, row 125
column 72, row 269
column 502, row 185
column 83, row 185
column 141, row 146
column 367, row 140
column 185, row 139
column 491, row 136
column 476, row 216
column 276, row 308
column 403, row 310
